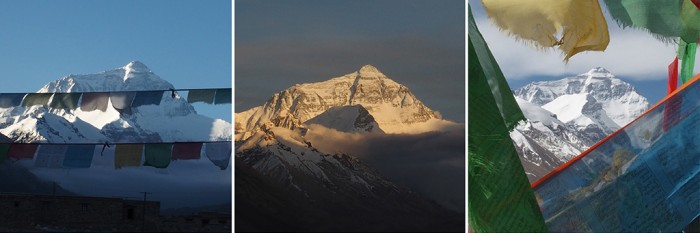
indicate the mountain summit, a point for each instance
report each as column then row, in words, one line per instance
column 134, row 76
column 137, row 67
column 172, row 120
column 394, row 108
column 596, row 96
column 567, row 116
column 369, row 71
column 286, row 155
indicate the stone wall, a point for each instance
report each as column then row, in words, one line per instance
column 74, row 213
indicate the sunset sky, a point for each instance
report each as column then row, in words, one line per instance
column 418, row 43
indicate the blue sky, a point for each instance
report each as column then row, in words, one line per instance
column 633, row 55
column 418, row 43
column 185, row 42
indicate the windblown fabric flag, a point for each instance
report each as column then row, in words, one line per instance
column 4, row 149
column 127, row 155
column 187, row 150
column 22, row 151
column 666, row 20
column 223, row 96
column 121, row 101
column 94, row 101
column 673, row 75
column 204, row 95
column 79, row 156
column 11, row 100
column 581, row 23
column 500, row 198
column 32, row 99
column 65, row 100
column 687, row 53
column 50, row 156
column 147, row 98
column 218, row 153
column 158, row 155
column 641, row 178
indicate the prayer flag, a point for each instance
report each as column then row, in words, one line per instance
column 644, row 177
column 11, row 100
column 688, row 60
column 218, row 153
column 22, row 151
column 65, row 100
column 127, row 155
column 32, row 99
column 187, row 150
column 666, row 20
column 500, row 198
column 121, row 101
column 79, row 156
column 223, row 96
column 94, row 101
column 205, row 95
column 147, row 97
column 673, row 75
column 50, row 156
column 158, row 155
column 4, row 149
column 579, row 22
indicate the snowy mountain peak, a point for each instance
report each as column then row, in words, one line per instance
column 173, row 119
column 394, row 108
column 567, row 116
column 136, row 67
column 134, row 76
column 598, row 72
column 370, row 71
column 614, row 101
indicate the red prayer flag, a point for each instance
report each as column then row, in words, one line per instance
column 673, row 75
column 187, row 150
column 672, row 109
column 22, row 151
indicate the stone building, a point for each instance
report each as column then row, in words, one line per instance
column 29, row 212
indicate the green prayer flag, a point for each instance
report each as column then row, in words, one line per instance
column 32, row 99
column 500, row 198
column 4, row 148
column 687, row 60
column 65, row 100
column 223, row 96
column 666, row 20
column 204, row 95
column 158, row 155
column 497, row 88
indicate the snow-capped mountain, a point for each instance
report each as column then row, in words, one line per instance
column 285, row 156
column 592, row 98
column 144, row 124
column 567, row 116
column 394, row 108
column 272, row 141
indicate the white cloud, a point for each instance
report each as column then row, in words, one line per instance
column 430, row 163
column 632, row 53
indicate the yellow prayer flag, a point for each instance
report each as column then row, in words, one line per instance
column 581, row 23
column 128, row 155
